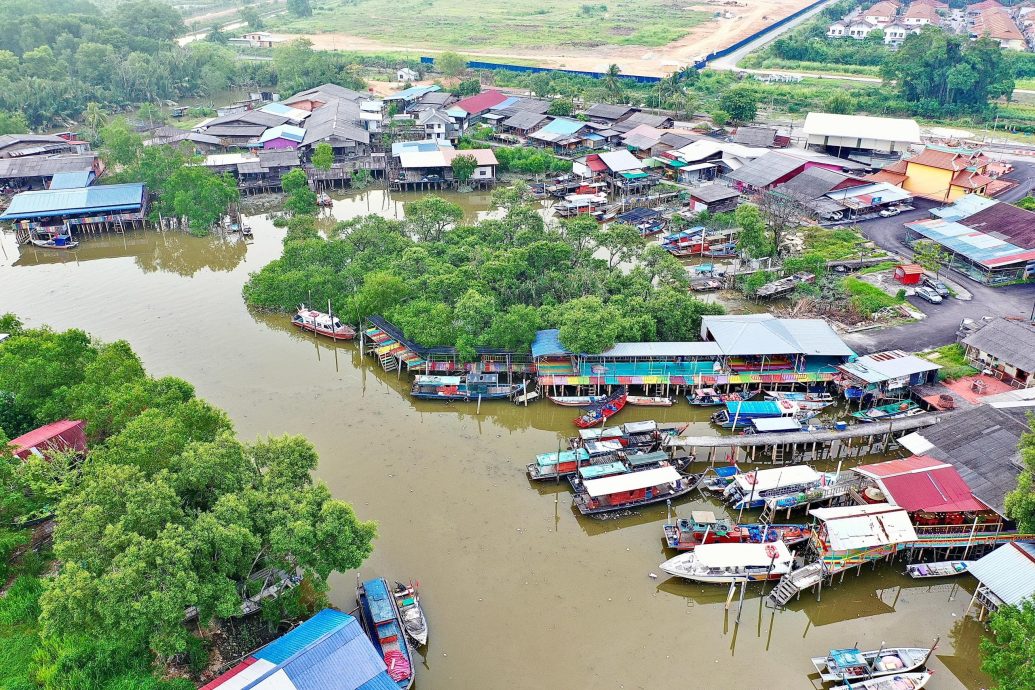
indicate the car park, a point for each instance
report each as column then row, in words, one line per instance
column 938, row 286
column 928, row 294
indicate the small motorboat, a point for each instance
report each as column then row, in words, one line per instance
column 850, row 665
column 716, row 479
column 702, row 527
column 414, row 623
column 921, row 571
column 900, row 681
column 649, row 401
column 55, row 242
column 905, row 408
column 805, row 401
column 383, row 625
column 611, row 406
column 707, row 397
column 324, row 199
column 576, row 400
column 725, row 563
column 322, row 324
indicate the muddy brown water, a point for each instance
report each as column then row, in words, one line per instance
column 520, row 592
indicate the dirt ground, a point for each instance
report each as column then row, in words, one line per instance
column 748, row 17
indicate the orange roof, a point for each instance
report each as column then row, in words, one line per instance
column 985, row 5
column 970, row 180
column 998, row 24
column 948, row 160
column 936, row 4
column 887, row 176
column 911, row 269
column 884, row 8
column 919, row 10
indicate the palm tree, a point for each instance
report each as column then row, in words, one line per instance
column 612, row 84
column 94, row 118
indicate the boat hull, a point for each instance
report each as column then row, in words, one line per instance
column 586, row 507
column 576, row 400
column 346, row 335
column 647, row 401
column 874, row 664
column 467, row 397
column 923, row 571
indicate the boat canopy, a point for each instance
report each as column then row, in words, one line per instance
column 596, row 433
column 597, row 471
column 425, row 380
column 640, row 427
column 550, row 459
column 641, row 459
column 726, row 470
column 379, row 601
column 764, row 480
column 746, row 408
column 768, row 424
column 740, row 555
column 603, row 447
column 632, row 481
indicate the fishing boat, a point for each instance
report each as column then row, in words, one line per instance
column 603, row 411
column 682, row 237
column 852, row 664
column 774, row 425
column 54, row 242
column 383, row 625
column 805, row 401
column 630, row 489
column 899, row 681
column 708, row 397
column 407, row 600
column 686, row 534
column 324, row 199
column 716, row 479
column 469, row 387
column 722, row 251
column 322, row 324
column 739, row 414
column 903, row 408
column 610, row 433
column 752, row 489
column 689, row 249
column 705, row 284
column 921, row 571
column 725, row 563
column 566, row 462
column 576, row 400
column 649, row 401
column 576, row 204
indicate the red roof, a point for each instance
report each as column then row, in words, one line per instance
column 60, row 435
column 910, row 270
column 595, row 164
column 479, row 103
column 227, row 675
column 923, row 483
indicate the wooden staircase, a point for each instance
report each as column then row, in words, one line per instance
column 792, row 584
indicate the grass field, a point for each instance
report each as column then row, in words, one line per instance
column 503, row 23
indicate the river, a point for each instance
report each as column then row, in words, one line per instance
column 520, row 593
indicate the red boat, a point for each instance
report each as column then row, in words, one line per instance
column 702, row 528
column 322, row 324
column 611, row 406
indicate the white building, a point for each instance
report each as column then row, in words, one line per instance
column 406, row 74
column 860, row 133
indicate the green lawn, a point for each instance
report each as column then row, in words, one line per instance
column 502, row 23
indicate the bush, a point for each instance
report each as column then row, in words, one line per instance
column 953, row 359
column 866, row 298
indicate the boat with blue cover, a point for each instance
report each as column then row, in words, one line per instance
column 563, row 463
column 716, row 479
column 739, row 414
column 806, row 401
column 880, row 413
column 469, row 387
column 384, row 627
column 851, row 665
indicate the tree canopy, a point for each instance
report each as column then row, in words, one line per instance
column 1009, row 656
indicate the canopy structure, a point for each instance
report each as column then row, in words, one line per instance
column 923, row 483
column 740, row 555
column 864, row 527
column 765, row 480
column 770, row 424
column 548, row 459
column 632, row 481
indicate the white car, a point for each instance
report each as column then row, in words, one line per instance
column 889, row 212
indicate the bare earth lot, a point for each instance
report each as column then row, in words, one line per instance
column 648, row 37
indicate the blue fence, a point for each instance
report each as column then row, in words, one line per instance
column 638, row 78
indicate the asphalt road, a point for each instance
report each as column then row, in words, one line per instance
column 943, row 320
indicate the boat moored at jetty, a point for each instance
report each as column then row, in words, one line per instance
column 322, row 324
column 600, row 413
column 576, row 400
column 805, row 401
column 58, row 241
column 850, row 665
column 922, row 571
column 469, row 387
column 739, row 414
column 630, row 489
column 902, row 408
column 649, row 400
column 686, row 534
column 899, row 681
column 725, row 563
column 384, row 627
column 407, row 601
column 752, row 489
column 567, row 462
column 707, row 397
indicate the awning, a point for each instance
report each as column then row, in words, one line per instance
column 632, row 481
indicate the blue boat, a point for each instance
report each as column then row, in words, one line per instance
column 383, row 626
column 739, row 414
column 470, row 387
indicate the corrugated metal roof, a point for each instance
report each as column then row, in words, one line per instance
column 882, row 366
column 860, row 126
column 71, row 180
column 412, row 93
column 1011, row 342
column 765, row 170
column 621, row 161
column 289, row 132
column 562, row 126
column 666, row 350
column 1009, row 572
column 548, row 343
column 864, row 527
column 114, row 197
column 764, row 334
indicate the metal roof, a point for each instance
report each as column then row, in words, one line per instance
column 621, row 161
column 296, row 114
column 864, row 527
column 758, row 481
column 339, row 119
column 52, row 202
column 607, row 112
column 45, row 166
column 664, row 350
column 524, row 120
column 562, row 126
column 966, row 206
column 548, row 342
column 755, row 136
column 1011, row 342
column 862, row 127
column 764, row 334
column 981, row 248
column 923, row 483
column 412, row 93
column 71, row 180
column 289, row 132
column 631, row 481
column 883, row 366
column 713, row 192
column 1009, row 572
column 767, row 169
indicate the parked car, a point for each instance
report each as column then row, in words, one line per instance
column 889, row 212
column 928, row 294
column 938, row 286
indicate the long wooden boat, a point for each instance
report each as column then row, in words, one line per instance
column 720, row 251
column 322, row 324
column 603, row 411
column 725, row 563
column 686, row 534
column 805, row 401
column 576, row 400
column 850, row 665
column 649, row 401
column 752, row 489
column 407, row 601
column 900, row 681
column 630, row 489
column 922, row 571
column 904, row 408
column 469, row 387
column 709, row 397
column 716, row 479
column 55, row 242
column 384, row 627
column 566, row 462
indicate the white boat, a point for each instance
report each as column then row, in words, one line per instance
column 901, row 681
column 414, row 623
column 55, row 242
column 724, row 563
column 649, row 401
column 852, row 665
column 751, row 489
column 920, row 571
column 323, row 324
column 805, row 401
column 576, row 400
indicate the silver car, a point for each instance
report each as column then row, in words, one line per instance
column 929, row 295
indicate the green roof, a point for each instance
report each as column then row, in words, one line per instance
column 633, row 175
column 647, row 458
column 549, row 459
column 596, row 471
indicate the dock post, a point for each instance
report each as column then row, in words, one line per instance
column 729, row 597
column 740, row 606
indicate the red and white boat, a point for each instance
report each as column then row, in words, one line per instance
column 322, row 324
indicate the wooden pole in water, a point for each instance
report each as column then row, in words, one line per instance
column 733, row 588
column 740, row 606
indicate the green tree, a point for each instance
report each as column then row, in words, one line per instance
column 380, row 293
column 323, row 156
column 1027, row 203
column 754, row 238
column 250, row 16
column 1009, row 655
column 451, row 64
column 621, row 241
column 301, row 199
column 587, row 325
column 463, row 167
column 299, row 8
column 612, row 83
column 199, row 196
column 720, row 118
column 120, row 145
column 13, row 123
column 741, row 103
column 430, row 217
column 561, row 107
column 930, row 256
column 1020, row 503
column 468, row 87
column 840, row 103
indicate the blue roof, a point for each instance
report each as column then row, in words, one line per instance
column 418, row 146
column 966, row 206
column 547, row 343
column 751, row 407
column 982, row 248
column 53, row 202
column 412, row 93
column 72, row 180
column 511, row 100
column 327, row 652
column 289, row 132
column 563, row 126
column 379, row 600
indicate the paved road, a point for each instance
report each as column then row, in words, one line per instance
column 943, row 319
column 731, row 60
